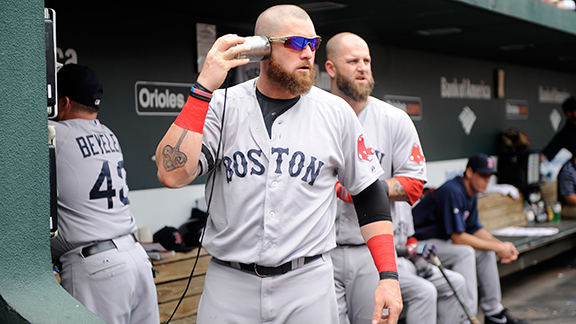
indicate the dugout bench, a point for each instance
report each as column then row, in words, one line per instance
column 497, row 211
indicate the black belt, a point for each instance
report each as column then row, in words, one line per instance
column 101, row 246
column 350, row 245
column 262, row 271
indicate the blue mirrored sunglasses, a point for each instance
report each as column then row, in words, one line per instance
column 298, row 43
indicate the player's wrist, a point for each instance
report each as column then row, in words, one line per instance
column 388, row 275
column 200, row 92
column 193, row 115
column 208, row 83
column 383, row 252
column 198, row 85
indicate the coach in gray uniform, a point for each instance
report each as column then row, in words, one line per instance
column 103, row 266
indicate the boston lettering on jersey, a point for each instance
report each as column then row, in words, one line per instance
column 238, row 164
column 95, row 144
column 379, row 155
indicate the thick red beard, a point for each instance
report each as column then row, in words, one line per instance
column 290, row 81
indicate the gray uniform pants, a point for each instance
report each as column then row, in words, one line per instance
column 303, row 295
column 427, row 301
column 480, row 271
column 431, row 300
column 116, row 284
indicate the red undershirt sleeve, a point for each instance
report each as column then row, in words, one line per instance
column 413, row 187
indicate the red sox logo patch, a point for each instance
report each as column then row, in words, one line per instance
column 363, row 151
column 417, row 155
column 177, row 238
column 490, row 163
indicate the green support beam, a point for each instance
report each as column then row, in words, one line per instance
column 29, row 292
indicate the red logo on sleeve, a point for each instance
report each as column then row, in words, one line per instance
column 417, row 155
column 363, row 151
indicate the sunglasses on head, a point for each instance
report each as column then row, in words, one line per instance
column 298, row 43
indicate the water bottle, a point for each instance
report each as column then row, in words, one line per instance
column 529, row 212
column 557, row 209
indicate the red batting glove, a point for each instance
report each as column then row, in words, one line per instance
column 342, row 193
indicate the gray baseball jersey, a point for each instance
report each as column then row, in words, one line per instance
column 93, row 195
column 274, row 198
column 398, row 150
column 115, row 284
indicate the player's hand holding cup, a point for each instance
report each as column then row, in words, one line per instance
column 219, row 60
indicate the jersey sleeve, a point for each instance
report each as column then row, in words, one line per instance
column 62, row 131
column 361, row 167
column 473, row 220
column 425, row 217
column 408, row 157
column 451, row 210
column 211, row 134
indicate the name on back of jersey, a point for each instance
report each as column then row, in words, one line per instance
column 95, row 144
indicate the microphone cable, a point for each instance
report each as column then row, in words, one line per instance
column 213, row 174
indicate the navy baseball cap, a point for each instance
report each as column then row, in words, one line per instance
column 482, row 163
column 171, row 239
column 81, row 84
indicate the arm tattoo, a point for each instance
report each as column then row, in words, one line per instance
column 397, row 192
column 172, row 157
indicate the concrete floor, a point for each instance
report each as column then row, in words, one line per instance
column 544, row 293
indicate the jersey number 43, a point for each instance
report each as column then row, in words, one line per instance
column 109, row 192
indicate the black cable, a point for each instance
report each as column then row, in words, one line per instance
column 207, row 206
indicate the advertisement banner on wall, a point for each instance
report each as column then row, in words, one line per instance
column 160, row 98
column 411, row 105
column 516, row 109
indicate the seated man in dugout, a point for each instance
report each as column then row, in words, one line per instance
column 567, row 187
column 448, row 218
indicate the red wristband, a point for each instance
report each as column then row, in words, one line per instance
column 382, row 249
column 193, row 115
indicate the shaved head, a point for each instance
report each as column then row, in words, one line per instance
column 334, row 44
column 288, row 72
column 349, row 65
column 271, row 21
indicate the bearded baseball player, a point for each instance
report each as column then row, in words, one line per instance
column 448, row 218
column 102, row 264
column 398, row 151
column 283, row 145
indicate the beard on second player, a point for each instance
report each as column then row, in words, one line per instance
column 349, row 67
